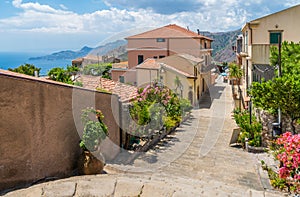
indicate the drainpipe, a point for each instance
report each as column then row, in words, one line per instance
column 168, row 47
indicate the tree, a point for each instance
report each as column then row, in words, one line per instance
column 235, row 72
column 27, row 69
column 63, row 75
column 283, row 91
column 98, row 70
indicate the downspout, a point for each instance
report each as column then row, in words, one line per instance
column 168, row 47
column 195, row 91
column 121, row 124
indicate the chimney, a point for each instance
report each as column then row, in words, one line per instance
column 187, row 27
column 198, row 31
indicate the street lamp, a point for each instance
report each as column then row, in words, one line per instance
column 250, row 110
column 279, row 75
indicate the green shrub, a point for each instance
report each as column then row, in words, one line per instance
column 94, row 131
column 78, row 83
column 98, row 70
column 27, row 69
column 63, row 75
column 251, row 131
column 185, row 106
column 169, row 123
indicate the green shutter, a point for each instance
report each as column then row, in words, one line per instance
column 121, row 79
column 274, row 37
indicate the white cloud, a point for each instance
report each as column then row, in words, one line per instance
column 289, row 3
column 44, row 18
column 63, row 6
column 122, row 17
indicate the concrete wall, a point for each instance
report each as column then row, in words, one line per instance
column 150, row 48
column 38, row 134
column 286, row 21
column 261, row 54
column 146, row 76
column 133, row 55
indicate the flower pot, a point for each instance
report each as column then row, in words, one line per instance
column 89, row 164
column 253, row 149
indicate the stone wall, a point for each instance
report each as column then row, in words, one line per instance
column 39, row 125
column 267, row 119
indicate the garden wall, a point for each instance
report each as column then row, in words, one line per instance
column 38, row 127
column 267, row 119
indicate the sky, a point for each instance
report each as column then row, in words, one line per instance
column 53, row 25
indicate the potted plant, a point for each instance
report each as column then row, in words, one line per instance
column 94, row 132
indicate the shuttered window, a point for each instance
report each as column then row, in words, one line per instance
column 275, row 37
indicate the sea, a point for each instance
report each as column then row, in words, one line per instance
column 15, row 59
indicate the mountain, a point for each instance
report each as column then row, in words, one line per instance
column 68, row 54
column 118, row 47
column 222, row 45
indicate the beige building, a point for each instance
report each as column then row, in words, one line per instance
column 262, row 33
column 163, row 42
column 185, row 74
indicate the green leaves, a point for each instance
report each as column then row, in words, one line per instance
column 250, row 131
column 284, row 91
column 63, row 75
column 94, row 130
column 98, row 70
column 27, row 69
column 235, row 72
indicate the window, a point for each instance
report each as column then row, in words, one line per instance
column 140, row 59
column 275, row 37
column 121, row 79
column 161, row 56
column 160, row 40
column 155, row 57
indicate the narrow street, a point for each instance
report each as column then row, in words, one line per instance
column 195, row 160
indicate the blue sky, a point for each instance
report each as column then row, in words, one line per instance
column 53, row 25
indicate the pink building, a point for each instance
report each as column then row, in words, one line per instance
column 165, row 41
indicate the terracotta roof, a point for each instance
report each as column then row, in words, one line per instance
column 169, row 31
column 90, row 82
column 120, row 66
column 78, row 60
column 124, row 91
column 154, row 64
column 28, row 77
column 149, row 63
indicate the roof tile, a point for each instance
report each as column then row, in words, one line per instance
column 169, row 31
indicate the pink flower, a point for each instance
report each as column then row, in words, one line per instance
column 284, row 173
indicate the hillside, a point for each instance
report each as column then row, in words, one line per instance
column 69, row 54
column 222, row 45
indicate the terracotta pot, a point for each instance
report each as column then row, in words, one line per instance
column 89, row 164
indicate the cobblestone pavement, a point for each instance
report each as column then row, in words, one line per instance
column 195, row 160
